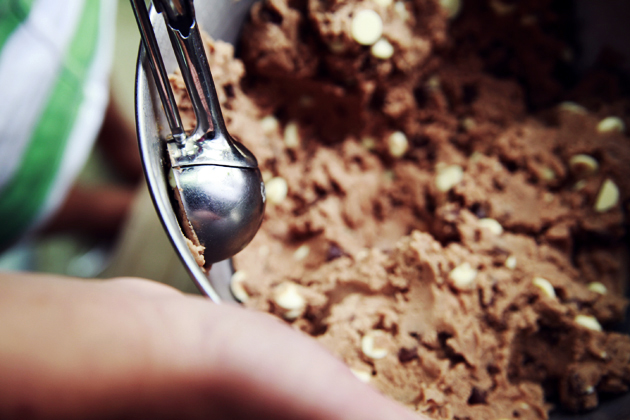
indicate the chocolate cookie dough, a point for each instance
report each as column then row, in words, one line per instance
column 446, row 208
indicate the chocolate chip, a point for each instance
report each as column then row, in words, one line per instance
column 229, row 90
column 270, row 15
column 477, row 396
column 334, row 252
column 421, row 97
column 469, row 94
column 493, row 369
column 407, row 355
column 478, row 210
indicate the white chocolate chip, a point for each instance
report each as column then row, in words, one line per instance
column 389, row 175
column 366, row 27
column 463, row 276
column 362, row 375
column 337, row 47
column 448, row 177
column 292, row 314
column 264, row 251
column 579, row 185
column 401, row 10
column 573, row 107
column 362, row 254
column 433, row 82
column 269, row 124
column 236, row 286
column 288, row 297
column 469, row 123
column 610, row 124
column 475, row 157
column 291, row 135
column 548, row 174
column 382, row 49
column 492, row 225
column 597, row 287
column 452, row 7
column 370, row 348
column 384, row 3
column 544, row 286
column 266, row 175
column 398, row 144
column 171, row 179
column 589, row 322
column 583, row 164
column 608, row 196
column 277, row 190
column 301, row 253
column 368, row 142
column 510, row 262
column 548, row 197
column 501, row 8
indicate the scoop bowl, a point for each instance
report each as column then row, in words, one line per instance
column 223, row 204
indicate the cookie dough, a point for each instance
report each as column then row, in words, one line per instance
column 443, row 219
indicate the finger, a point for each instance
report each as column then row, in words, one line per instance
column 140, row 286
column 130, row 348
column 284, row 370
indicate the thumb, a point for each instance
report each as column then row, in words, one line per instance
column 283, row 372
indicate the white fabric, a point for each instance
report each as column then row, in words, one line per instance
column 29, row 65
column 90, row 115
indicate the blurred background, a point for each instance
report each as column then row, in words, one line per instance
column 127, row 254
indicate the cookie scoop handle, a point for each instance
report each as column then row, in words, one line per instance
column 157, row 68
column 189, row 50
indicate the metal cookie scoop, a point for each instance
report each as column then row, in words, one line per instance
column 215, row 179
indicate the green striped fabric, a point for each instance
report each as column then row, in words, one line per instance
column 12, row 14
column 22, row 198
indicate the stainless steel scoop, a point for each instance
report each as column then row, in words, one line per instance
column 215, row 179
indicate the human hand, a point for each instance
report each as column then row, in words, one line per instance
column 131, row 348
